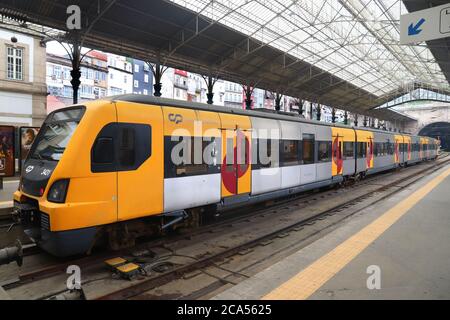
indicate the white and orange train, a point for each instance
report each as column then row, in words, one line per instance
column 104, row 169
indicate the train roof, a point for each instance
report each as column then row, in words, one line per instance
column 264, row 113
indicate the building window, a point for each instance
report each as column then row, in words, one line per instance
column 145, row 91
column 90, row 74
column 67, row 92
column 66, row 74
column 111, row 76
column 86, row 90
column 146, row 78
column 125, row 79
column 136, row 83
column 136, row 68
column 15, row 63
column 57, row 72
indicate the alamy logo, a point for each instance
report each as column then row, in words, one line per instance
column 73, row 21
column 29, row 169
column 74, row 280
column 177, row 118
column 374, row 280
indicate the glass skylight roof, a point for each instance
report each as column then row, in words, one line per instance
column 356, row 40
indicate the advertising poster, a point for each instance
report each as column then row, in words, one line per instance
column 7, row 167
column 27, row 136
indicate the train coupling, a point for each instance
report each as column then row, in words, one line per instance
column 10, row 254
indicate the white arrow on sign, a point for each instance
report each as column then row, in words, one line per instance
column 424, row 25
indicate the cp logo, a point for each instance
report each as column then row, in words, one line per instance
column 29, row 169
column 177, row 118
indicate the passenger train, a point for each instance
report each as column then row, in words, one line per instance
column 105, row 170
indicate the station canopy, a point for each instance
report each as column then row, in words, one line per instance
column 340, row 53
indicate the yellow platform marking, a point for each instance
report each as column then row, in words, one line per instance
column 6, row 202
column 307, row 281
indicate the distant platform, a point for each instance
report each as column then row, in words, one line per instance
column 398, row 249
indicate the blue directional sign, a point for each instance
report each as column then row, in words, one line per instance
column 415, row 29
column 424, row 25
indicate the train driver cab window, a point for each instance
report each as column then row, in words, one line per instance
column 308, row 148
column 103, row 151
column 127, row 148
column 121, row 147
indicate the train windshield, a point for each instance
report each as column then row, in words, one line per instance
column 55, row 134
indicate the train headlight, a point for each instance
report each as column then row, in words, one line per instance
column 58, row 191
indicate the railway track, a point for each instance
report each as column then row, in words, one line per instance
column 135, row 288
column 138, row 289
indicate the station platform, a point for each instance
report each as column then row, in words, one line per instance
column 397, row 249
column 6, row 194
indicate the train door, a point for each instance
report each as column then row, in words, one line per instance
column 235, row 169
column 398, row 140
column 406, row 149
column 420, row 149
column 141, row 177
column 369, row 153
column 336, row 153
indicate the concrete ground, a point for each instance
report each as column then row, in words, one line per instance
column 9, row 187
column 6, row 196
column 399, row 249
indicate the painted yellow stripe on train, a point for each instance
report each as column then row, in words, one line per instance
column 306, row 282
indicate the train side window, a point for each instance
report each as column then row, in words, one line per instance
column 361, row 149
column 289, row 155
column 348, row 150
column 324, row 151
column 103, row 151
column 308, row 148
column 197, row 156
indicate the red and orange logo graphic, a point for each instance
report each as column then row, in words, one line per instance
column 337, row 155
column 369, row 154
column 232, row 172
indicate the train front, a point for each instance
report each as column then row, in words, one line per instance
column 44, row 183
